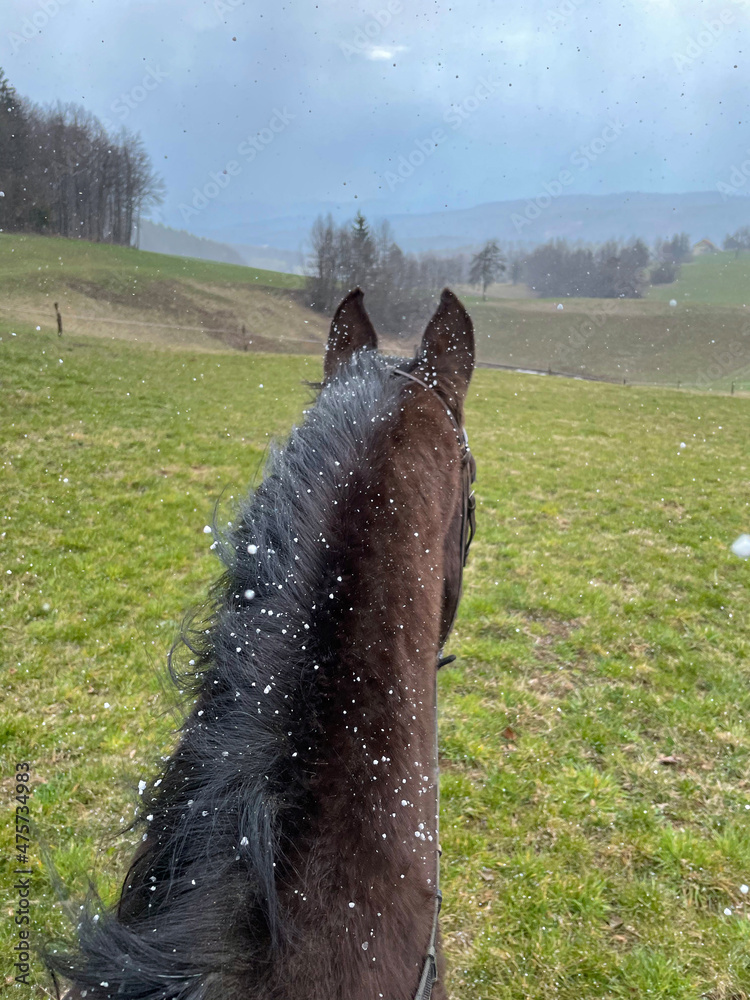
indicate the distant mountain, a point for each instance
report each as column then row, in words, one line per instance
column 589, row 218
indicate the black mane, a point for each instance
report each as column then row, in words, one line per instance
column 223, row 822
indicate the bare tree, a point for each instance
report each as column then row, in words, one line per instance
column 399, row 286
column 81, row 181
column 738, row 240
column 612, row 270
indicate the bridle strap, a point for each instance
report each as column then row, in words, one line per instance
column 460, row 434
column 468, row 500
column 430, row 970
column 468, row 527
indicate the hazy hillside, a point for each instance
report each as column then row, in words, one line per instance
column 163, row 239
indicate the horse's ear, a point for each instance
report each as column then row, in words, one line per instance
column 351, row 330
column 446, row 354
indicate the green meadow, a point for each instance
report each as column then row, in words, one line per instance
column 120, row 293
column 43, row 262
column 594, row 737
column 719, row 278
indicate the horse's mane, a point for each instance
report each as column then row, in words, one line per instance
column 221, row 821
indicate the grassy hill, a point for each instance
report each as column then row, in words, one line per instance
column 703, row 341
column 122, row 293
column 594, row 733
column 720, row 278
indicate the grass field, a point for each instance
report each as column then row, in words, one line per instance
column 126, row 294
column 36, row 262
column 624, row 339
column 720, row 278
column 594, row 734
column 704, row 341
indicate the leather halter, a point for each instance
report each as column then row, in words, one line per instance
column 468, row 500
column 468, row 529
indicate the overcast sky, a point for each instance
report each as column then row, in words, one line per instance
column 413, row 104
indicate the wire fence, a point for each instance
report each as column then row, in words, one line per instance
column 732, row 388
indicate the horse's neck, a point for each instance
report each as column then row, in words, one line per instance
column 368, row 879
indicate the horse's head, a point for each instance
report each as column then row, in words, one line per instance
column 430, row 448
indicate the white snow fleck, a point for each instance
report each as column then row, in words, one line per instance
column 208, row 530
column 244, row 842
column 351, row 906
column 744, row 890
column 267, row 689
column 727, row 912
column 673, row 302
column 252, row 549
column 741, row 547
column 141, row 787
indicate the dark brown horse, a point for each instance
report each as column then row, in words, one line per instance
column 290, row 843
